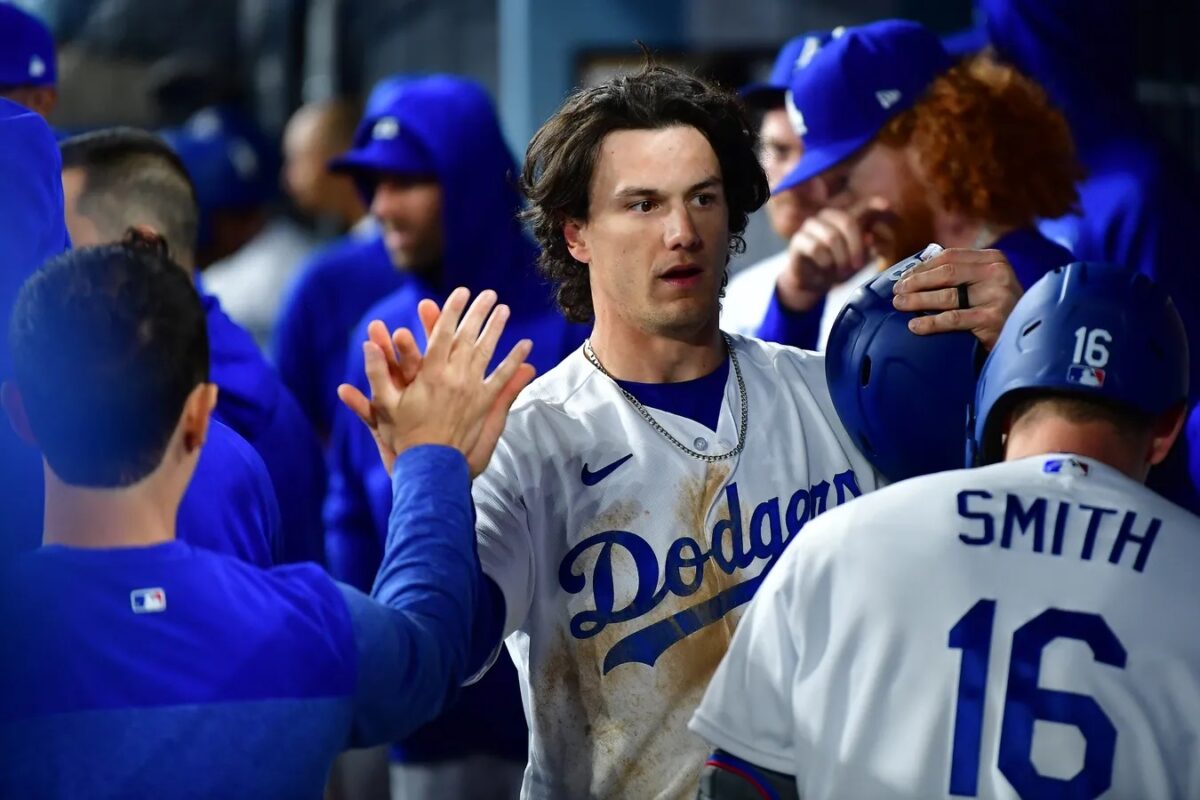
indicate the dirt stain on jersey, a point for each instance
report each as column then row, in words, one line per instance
column 634, row 719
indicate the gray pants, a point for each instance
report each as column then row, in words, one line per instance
column 479, row 777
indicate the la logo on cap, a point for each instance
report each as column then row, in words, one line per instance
column 386, row 128
column 37, row 67
column 888, row 97
column 794, row 115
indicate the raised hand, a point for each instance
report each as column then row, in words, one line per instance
column 444, row 397
column 975, row 290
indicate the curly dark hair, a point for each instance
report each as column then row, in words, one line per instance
column 562, row 156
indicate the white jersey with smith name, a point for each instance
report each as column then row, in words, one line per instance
column 1023, row 630
column 625, row 562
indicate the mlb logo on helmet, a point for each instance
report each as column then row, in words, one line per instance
column 37, row 67
column 148, row 601
column 1085, row 375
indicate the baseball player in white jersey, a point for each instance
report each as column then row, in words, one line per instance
column 644, row 487
column 1011, row 631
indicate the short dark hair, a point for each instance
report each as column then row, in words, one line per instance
column 1128, row 423
column 562, row 157
column 133, row 177
column 107, row 344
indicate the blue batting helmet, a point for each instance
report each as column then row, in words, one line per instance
column 1088, row 329
column 903, row 398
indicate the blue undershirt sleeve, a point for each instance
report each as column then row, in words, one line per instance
column 794, row 328
column 413, row 634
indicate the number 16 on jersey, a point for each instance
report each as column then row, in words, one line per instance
column 1025, row 702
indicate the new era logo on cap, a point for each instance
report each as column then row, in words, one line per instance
column 386, row 128
column 888, row 97
column 37, row 67
column 148, row 601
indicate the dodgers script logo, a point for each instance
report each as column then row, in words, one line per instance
column 764, row 540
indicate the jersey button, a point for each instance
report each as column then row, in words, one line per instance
column 700, row 444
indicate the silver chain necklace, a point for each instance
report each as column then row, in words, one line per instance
column 590, row 355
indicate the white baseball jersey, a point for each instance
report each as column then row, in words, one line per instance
column 1023, row 630
column 625, row 562
column 749, row 294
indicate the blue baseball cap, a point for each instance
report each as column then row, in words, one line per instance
column 386, row 140
column 854, row 85
column 795, row 54
column 26, row 49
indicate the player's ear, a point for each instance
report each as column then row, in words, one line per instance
column 575, row 233
column 1164, row 433
column 14, row 407
column 197, row 412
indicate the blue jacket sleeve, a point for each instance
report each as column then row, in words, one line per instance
column 413, row 635
column 796, row 329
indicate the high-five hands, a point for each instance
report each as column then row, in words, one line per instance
column 444, row 396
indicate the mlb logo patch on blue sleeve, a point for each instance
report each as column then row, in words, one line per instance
column 148, row 601
column 1085, row 375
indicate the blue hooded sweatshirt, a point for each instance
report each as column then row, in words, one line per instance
column 333, row 289
column 445, row 127
column 1139, row 204
column 255, row 403
column 32, row 230
column 225, row 508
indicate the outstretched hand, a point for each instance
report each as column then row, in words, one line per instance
column 444, row 396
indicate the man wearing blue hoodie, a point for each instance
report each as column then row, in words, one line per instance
column 122, row 178
column 440, row 180
column 230, row 506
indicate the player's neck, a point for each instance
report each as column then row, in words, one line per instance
column 134, row 516
column 1093, row 441
column 630, row 354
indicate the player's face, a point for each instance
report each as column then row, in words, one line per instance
column 657, row 235
column 84, row 232
column 780, row 152
column 885, row 179
column 410, row 214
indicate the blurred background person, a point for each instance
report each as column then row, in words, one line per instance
column 245, row 250
column 28, row 62
column 338, row 282
column 903, row 146
column 749, row 291
column 119, row 179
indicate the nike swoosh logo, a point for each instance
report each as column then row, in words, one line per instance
column 590, row 478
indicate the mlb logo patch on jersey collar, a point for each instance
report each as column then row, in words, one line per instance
column 1066, row 466
column 148, row 601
